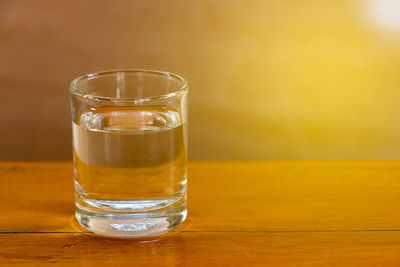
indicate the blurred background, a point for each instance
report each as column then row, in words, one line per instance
column 287, row 79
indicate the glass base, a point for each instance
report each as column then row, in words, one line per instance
column 131, row 225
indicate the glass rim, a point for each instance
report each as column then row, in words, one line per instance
column 74, row 90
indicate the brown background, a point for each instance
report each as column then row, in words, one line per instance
column 270, row 79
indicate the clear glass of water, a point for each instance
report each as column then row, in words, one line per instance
column 130, row 151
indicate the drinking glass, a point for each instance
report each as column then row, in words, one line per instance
column 130, row 151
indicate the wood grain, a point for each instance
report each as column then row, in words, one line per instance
column 279, row 213
column 235, row 196
column 205, row 249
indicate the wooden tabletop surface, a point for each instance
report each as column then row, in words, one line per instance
column 298, row 213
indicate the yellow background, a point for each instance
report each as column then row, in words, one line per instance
column 270, row 79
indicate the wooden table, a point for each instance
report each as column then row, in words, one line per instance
column 240, row 214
